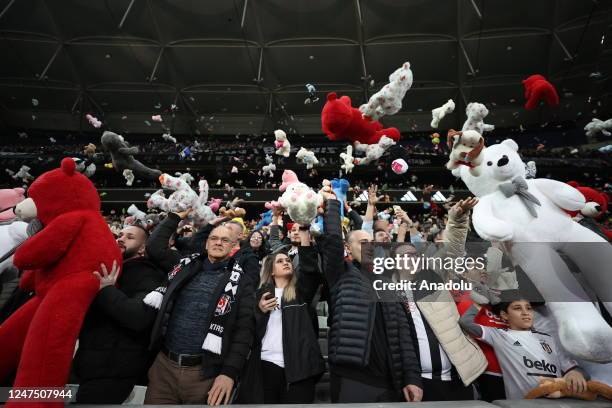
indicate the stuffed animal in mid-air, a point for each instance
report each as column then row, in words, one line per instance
column 438, row 114
column 129, row 177
column 465, row 148
column 39, row 339
column 595, row 126
column 340, row 121
column 372, row 152
column 136, row 216
column 307, row 157
column 270, row 167
column 529, row 217
column 122, row 156
column 348, row 160
column 537, row 88
column 476, row 112
column 283, row 147
column 23, row 174
column 388, row 101
column 595, row 209
column 399, row 156
column 299, row 200
column 559, row 388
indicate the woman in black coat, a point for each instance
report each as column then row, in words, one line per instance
column 285, row 361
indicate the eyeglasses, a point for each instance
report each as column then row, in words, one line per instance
column 224, row 241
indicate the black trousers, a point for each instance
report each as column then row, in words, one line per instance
column 105, row 390
column 438, row 390
column 491, row 387
column 276, row 390
column 346, row 390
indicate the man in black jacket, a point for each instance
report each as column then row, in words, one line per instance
column 371, row 354
column 205, row 322
column 113, row 353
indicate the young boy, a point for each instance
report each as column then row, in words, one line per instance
column 525, row 355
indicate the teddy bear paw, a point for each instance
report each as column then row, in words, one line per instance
column 587, row 340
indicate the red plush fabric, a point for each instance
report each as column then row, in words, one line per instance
column 340, row 121
column 40, row 337
column 592, row 195
column 537, row 89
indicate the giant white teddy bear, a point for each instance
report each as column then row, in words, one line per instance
column 476, row 112
column 529, row 216
column 372, row 152
column 388, row 101
column 300, row 201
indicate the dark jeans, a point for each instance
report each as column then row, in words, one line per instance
column 438, row 390
column 276, row 390
column 105, row 390
column 491, row 387
column 346, row 390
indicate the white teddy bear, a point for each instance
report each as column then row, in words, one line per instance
column 388, row 101
column 23, row 174
column 129, row 177
column 529, row 216
column 595, row 126
column 465, row 150
column 438, row 114
column 476, row 112
column 299, row 200
column 136, row 214
column 373, row 152
column 348, row 160
column 283, row 147
column 269, row 168
column 307, row 157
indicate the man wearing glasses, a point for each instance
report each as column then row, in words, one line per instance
column 205, row 320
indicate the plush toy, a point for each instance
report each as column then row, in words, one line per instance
column 399, row 156
column 169, row 138
column 23, row 174
column 214, row 204
column 348, row 160
column 465, row 150
column 129, row 177
column 438, row 114
column 300, row 202
column 270, row 167
column 307, row 157
column 529, row 215
column 530, row 170
column 537, row 89
column 266, row 219
column 388, row 101
column 93, row 121
column 595, row 126
column 232, row 213
column 558, row 388
column 435, row 140
column 12, row 231
column 372, row 152
column 312, row 96
column 595, row 208
column 283, row 147
column 122, row 156
column 151, row 221
column 39, row 338
column 476, row 112
column 186, row 177
column 340, row 121
column 137, row 216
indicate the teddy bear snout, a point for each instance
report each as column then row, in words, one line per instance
column 503, row 161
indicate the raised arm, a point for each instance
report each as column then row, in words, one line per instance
column 157, row 246
column 333, row 245
column 309, row 277
column 563, row 195
column 467, row 322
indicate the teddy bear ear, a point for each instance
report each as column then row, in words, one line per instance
column 68, row 165
column 511, row 144
column 332, row 96
column 19, row 191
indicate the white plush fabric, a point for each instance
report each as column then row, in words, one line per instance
column 11, row 234
column 438, row 114
column 307, row 157
column 348, row 160
column 283, row 147
column 388, row 101
column 476, row 112
column 373, row 152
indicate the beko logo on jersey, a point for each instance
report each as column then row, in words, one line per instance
column 540, row 365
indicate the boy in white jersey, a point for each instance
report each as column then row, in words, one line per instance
column 525, row 355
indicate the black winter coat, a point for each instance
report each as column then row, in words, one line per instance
column 353, row 310
column 301, row 352
column 114, row 338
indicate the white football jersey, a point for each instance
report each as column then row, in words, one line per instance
column 525, row 356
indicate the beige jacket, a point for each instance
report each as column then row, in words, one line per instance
column 441, row 313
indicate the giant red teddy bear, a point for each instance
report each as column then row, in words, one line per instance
column 39, row 338
column 595, row 209
column 340, row 121
column 537, row 89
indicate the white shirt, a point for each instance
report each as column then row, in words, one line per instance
column 524, row 357
column 272, row 343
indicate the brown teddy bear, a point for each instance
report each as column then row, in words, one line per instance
column 557, row 388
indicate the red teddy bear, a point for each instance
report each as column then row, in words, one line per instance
column 39, row 338
column 340, row 121
column 595, row 208
column 537, row 89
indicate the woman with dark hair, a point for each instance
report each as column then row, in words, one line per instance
column 285, row 361
column 258, row 242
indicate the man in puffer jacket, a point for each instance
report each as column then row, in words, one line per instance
column 371, row 354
